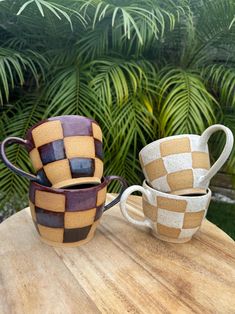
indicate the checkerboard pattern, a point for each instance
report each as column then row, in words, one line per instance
column 64, row 148
column 175, row 165
column 66, row 217
column 176, row 218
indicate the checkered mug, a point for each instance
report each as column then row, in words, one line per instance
column 64, row 151
column 172, row 218
column 69, row 217
column 181, row 164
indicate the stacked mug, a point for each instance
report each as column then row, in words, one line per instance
column 175, row 193
column 68, row 193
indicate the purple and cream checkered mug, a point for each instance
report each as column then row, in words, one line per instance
column 64, row 150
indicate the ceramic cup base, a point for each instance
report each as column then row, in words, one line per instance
column 71, row 244
column 171, row 240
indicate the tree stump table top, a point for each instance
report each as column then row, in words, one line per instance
column 122, row 270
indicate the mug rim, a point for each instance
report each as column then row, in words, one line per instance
column 163, row 139
column 104, row 181
column 29, row 131
column 174, row 196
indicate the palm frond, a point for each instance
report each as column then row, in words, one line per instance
column 221, row 81
column 185, row 104
column 17, row 121
column 58, row 10
column 14, row 66
column 69, row 93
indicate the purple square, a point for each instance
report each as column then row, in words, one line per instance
column 52, row 152
column 75, row 126
column 80, row 200
column 99, row 149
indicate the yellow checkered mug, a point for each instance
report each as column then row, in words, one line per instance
column 64, row 151
column 172, row 218
column 181, row 164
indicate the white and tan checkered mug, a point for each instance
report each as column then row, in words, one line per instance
column 172, row 218
column 181, row 164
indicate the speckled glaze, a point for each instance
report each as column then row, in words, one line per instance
column 65, row 217
column 181, row 164
column 64, row 151
column 172, row 218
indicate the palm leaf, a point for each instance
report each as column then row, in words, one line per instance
column 17, row 121
column 221, row 81
column 185, row 104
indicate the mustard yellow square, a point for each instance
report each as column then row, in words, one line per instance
column 35, row 158
column 193, row 220
column 32, row 209
column 150, row 211
column 79, row 219
column 99, row 168
column 180, row 180
column 58, row 171
column 168, row 231
column 51, row 234
column 173, row 205
column 200, row 160
column 101, row 197
column 79, row 146
column 47, row 132
column 175, row 146
column 97, row 133
column 50, row 201
column 155, row 169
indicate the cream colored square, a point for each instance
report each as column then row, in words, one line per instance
column 36, row 159
column 97, row 133
column 58, row 171
column 99, row 168
column 155, row 169
column 170, row 219
column 32, row 210
column 180, row 180
column 47, row 132
column 167, row 231
column 188, row 233
column 161, row 184
column 79, row 146
column 150, row 211
column 178, row 162
column 52, row 234
column 50, row 201
column 200, row 160
column 150, row 153
column 101, row 196
column 193, row 220
column 175, row 146
column 79, row 219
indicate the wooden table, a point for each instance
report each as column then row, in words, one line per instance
column 122, row 270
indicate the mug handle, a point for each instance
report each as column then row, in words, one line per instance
column 117, row 199
column 225, row 153
column 17, row 140
column 125, row 195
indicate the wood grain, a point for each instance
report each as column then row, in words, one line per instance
column 124, row 269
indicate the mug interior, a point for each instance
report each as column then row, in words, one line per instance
column 178, row 196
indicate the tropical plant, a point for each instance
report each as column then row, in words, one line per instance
column 142, row 69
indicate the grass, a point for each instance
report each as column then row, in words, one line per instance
column 223, row 215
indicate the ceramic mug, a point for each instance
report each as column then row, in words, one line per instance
column 180, row 164
column 172, row 218
column 69, row 217
column 64, row 151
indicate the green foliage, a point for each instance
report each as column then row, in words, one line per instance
column 142, row 69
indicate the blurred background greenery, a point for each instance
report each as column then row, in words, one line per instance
column 142, row 69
